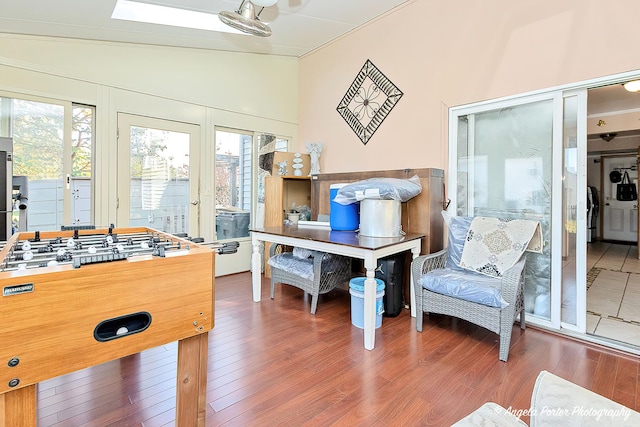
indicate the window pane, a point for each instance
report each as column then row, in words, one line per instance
column 233, row 183
column 38, row 146
column 234, row 180
column 82, row 137
column 504, row 170
column 81, row 164
column 159, row 171
column 569, row 211
column 5, row 117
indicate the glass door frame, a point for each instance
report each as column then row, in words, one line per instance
column 581, row 207
column 557, row 96
column 125, row 121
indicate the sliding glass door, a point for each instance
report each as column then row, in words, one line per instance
column 519, row 159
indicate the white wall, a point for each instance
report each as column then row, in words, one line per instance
column 257, row 85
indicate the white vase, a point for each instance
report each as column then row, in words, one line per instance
column 293, row 218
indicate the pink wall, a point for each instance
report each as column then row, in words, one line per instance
column 445, row 53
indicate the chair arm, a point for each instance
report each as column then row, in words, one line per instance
column 511, row 280
column 273, row 248
column 426, row 263
column 330, row 269
column 319, row 257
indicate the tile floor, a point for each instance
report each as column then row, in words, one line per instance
column 613, row 292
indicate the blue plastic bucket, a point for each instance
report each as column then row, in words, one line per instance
column 356, row 289
column 342, row 217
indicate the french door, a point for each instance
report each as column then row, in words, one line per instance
column 158, row 174
column 525, row 158
column 52, row 143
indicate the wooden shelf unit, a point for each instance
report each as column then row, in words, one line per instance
column 280, row 194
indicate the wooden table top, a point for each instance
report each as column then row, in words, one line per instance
column 325, row 234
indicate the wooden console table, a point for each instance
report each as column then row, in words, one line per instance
column 346, row 243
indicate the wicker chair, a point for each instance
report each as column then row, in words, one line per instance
column 324, row 271
column 496, row 319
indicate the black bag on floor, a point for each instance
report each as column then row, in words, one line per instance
column 391, row 271
column 626, row 190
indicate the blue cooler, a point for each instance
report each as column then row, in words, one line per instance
column 342, row 217
column 356, row 289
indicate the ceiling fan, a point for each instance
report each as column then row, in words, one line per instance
column 246, row 19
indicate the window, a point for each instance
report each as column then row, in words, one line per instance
column 234, row 179
column 55, row 163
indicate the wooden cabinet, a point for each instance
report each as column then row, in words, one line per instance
column 281, row 193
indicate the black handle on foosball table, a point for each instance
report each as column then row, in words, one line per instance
column 229, row 248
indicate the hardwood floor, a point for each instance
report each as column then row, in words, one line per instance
column 273, row 363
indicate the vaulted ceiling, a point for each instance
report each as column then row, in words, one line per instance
column 299, row 26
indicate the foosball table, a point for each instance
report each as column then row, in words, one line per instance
column 77, row 298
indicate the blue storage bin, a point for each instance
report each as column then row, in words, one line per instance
column 343, row 217
column 356, row 289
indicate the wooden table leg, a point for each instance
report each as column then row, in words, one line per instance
column 192, row 381
column 18, row 407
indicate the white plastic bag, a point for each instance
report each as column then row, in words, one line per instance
column 379, row 189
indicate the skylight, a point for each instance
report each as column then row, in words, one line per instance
column 127, row 10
